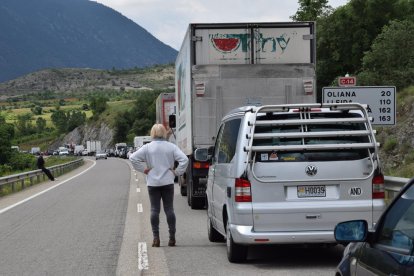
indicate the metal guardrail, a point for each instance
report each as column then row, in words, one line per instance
column 392, row 184
column 23, row 180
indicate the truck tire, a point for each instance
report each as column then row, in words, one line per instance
column 198, row 203
column 236, row 253
column 189, row 195
column 183, row 188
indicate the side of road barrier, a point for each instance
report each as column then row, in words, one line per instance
column 26, row 179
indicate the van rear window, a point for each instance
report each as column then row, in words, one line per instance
column 314, row 155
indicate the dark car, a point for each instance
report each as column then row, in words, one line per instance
column 386, row 250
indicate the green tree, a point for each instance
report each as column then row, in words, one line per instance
column 37, row 110
column 311, row 10
column 6, row 136
column 98, row 105
column 24, row 124
column 75, row 119
column 122, row 127
column 345, row 35
column 60, row 120
column 143, row 112
column 391, row 58
column 40, row 125
column 139, row 120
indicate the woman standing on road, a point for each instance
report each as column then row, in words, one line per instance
column 156, row 160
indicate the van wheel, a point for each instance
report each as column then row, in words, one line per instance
column 236, row 253
column 213, row 234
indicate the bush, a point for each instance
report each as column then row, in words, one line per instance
column 5, row 169
column 22, row 161
column 390, row 144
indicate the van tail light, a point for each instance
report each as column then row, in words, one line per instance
column 243, row 191
column 378, row 188
column 200, row 165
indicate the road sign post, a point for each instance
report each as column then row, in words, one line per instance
column 380, row 100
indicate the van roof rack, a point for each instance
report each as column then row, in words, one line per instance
column 304, row 120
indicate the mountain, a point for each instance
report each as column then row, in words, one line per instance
column 41, row 34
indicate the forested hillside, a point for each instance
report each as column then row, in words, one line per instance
column 372, row 40
column 42, row 34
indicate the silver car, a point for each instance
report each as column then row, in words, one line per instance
column 288, row 174
column 101, row 155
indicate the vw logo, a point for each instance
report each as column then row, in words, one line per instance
column 311, row 170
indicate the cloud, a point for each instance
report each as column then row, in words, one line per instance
column 168, row 20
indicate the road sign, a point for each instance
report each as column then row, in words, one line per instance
column 347, row 81
column 380, row 100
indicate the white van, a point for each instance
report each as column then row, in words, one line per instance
column 287, row 174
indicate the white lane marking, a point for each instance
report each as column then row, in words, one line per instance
column 139, row 208
column 142, row 256
column 138, row 190
column 47, row 190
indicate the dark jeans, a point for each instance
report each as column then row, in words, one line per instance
column 48, row 173
column 166, row 194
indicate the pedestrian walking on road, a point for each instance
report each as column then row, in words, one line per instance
column 156, row 160
column 41, row 165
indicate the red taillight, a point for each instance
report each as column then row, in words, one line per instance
column 200, row 165
column 378, row 188
column 242, row 190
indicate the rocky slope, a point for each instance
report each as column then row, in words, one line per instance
column 88, row 132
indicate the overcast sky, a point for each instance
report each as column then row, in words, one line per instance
column 168, row 20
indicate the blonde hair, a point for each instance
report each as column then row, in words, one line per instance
column 158, row 131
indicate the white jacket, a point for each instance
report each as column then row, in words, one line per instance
column 159, row 156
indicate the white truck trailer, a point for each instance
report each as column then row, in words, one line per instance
column 93, row 147
column 164, row 107
column 139, row 141
column 224, row 66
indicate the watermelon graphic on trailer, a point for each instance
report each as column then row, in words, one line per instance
column 226, row 45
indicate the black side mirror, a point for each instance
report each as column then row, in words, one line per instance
column 171, row 121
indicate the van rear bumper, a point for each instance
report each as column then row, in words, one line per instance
column 245, row 235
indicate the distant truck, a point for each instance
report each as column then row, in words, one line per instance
column 120, row 149
column 139, row 141
column 224, row 66
column 164, row 107
column 35, row 151
column 93, row 147
column 78, row 149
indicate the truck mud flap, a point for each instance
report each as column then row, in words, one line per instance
column 197, row 195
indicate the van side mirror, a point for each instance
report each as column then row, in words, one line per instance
column 171, row 121
column 201, row 154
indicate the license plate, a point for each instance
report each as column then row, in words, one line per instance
column 312, row 191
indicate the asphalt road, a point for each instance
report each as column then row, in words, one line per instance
column 75, row 228
column 96, row 222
